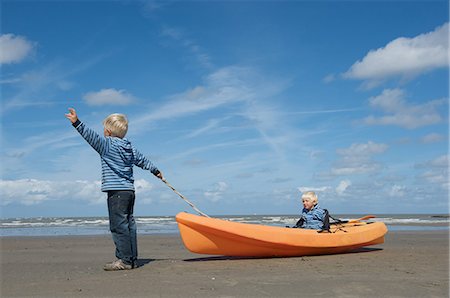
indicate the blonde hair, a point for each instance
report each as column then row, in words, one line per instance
column 117, row 124
column 310, row 196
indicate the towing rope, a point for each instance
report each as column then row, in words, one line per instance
column 181, row 196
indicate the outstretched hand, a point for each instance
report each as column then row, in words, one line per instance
column 72, row 116
column 160, row 176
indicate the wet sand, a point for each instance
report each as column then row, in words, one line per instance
column 409, row 264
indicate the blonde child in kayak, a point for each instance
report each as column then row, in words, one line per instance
column 117, row 156
column 312, row 215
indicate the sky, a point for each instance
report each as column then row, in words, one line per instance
column 243, row 105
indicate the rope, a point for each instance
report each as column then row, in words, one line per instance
column 181, row 196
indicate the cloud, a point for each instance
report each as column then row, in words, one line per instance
column 342, row 187
column 194, row 162
column 438, row 162
column 52, row 76
column 437, row 176
column 432, row 138
column 363, row 150
column 150, row 6
column 270, row 125
column 358, row 159
column 191, row 45
column 315, row 189
column 244, row 89
column 397, row 191
column 108, row 97
column 226, row 86
column 404, row 57
column 329, row 78
column 49, row 139
column 327, row 111
column 32, row 191
column 216, row 193
column 210, row 125
column 143, row 188
column 436, row 171
column 10, row 81
column 237, row 86
column 216, row 146
column 355, row 168
column 401, row 113
column 14, row 49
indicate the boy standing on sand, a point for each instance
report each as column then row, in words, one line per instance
column 118, row 156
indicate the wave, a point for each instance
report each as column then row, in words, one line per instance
column 167, row 224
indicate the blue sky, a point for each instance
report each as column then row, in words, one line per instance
column 241, row 104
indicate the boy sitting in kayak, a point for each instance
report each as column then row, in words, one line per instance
column 312, row 215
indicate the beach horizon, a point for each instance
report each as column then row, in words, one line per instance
column 408, row 264
column 99, row 225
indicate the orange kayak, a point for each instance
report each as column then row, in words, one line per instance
column 214, row 236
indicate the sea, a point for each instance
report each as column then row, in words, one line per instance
column 73, row 226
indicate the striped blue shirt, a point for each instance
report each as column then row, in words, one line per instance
column 313, row 219
column 118, row 157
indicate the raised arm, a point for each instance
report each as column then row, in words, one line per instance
column 99, row 143
column 72, row 116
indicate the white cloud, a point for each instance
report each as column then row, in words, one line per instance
column 242, row 87
column 216, row 193
column 10, row 80
column 404, row 57
column 215, row 146
column 315, row 189
column 397, row 191
column 196, row 51
column 282, row 195
column 14, row 49
column 362, row 151
column 342, row 187
column 226, row 86
column 33, row 191
column 108, row 97
column 150, row 6
column 355, row 168
column 142, row 185
column 212, row 124
column 65, row 85
column 437, row 177
column 144, row 190
column 436, row 171
column 401, row 113
column 432, row 138
column 329, row 78
column 171, row 32
column 358, row 159
column 52, row 76
column 438, row 162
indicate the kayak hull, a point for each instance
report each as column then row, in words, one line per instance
column 214, row 236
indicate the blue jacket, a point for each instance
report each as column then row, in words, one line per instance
column 118, row 157
column 313, row 219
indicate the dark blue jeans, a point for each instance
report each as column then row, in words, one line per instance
column 122, row 224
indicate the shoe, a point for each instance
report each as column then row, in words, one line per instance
column 117, row 265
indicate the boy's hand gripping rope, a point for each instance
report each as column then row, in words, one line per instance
column 181, row 196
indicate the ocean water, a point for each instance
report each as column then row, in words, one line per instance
column 65, row 226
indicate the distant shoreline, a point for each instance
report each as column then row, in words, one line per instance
column 353, row 215
column 153, row 225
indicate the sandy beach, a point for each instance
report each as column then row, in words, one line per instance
column 409, row 264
